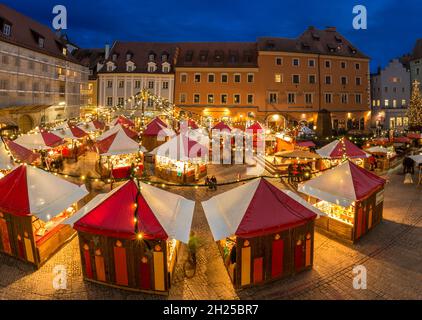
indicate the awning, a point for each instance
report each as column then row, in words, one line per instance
column 339, row 148
column 343, row 184
column 21, row 153
column 116, row 144
column 130, row 133
column 39, row 141
column 182, row 148
column 160, row 214
column 254, row 209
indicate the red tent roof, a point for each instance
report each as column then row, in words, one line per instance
column 338, row 148
column 51, row 139
column 104, row 145
column 114, row 217
column 414, row 135
column 21, row 153
column 77, row 132
column 124, row 121
column 306, row 144
column 130, row 133
column 14, row 195
column 98, row 124
column 222, row 127
column 272, row 210
column 192, row 124
column 401, row 140
column 154, row 127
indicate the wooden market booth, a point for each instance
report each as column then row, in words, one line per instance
column 263, row 233
column 336, row 151
column 76, row 139
column 155, row 134
column 351, row 197
column 386, row 157
column 33, row 206
column 181, row 160
column 130, row 237
column 119, row 155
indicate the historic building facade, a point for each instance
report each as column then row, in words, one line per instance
column 390, row 96
column 40, row 81
column 133, row 66
column 416, row 63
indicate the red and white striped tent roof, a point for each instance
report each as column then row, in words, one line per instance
column 6, row 161
column 222, row 127
column 158, row 128
column 343, row 185
column 116, row 144
column 124, row 121
column 160, row 214
column 40, row 141
column 31, row 191
column 256, row 208
column 342, row 147
column 182, row 148
column 70, row 132
column 130, row 133
column 91, row 126
column 21, row 153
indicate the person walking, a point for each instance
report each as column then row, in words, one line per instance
column 214, row 182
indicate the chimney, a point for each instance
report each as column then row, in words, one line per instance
column 107, row 51
column 331, row 29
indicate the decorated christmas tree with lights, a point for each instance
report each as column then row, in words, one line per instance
column 414, row 112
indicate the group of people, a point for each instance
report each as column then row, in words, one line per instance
column 211, row 182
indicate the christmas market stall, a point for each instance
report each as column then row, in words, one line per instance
column 298, row 164
column 124, row 121
column 33, row 206
column 76, row 140
column 181, row 160
column 338, row 150
column 352, row 198
column 155, row 134
column 120, row 156
column 21, row 154
column 263, row 233
column 92, row 127
column 385, row 157
column 130, row 237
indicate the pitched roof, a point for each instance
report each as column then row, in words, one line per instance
column 90, row 58
column 417, row 49
column 343, row 184
column 21, row 153
column 25, row 33
column 327, row 42
column 254, row 209
column 117, row 143
column 140, row 52
column 27, row 190
column 217, row 54
column 342, row 147
column 39, row 141
column 160, row 214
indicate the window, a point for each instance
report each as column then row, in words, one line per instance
column 110, row 84
column 183, row 78
column 41, row 41
column 151, row 68
column 405, row 121
column 196, row 98
column 211, row 77
column 399, row 121
column 417, row 71
column 236, row 98
column 291, row 98
column 150, row 84
column 392, row 122
column 343, row 81
column 197, row 77
column 17, row 61
column 165, row 85
column 385, row 89
column 344, row 98
column 358, row 81
column 151, row 57
column 31, row 64
column 403, row 102
column 327, row 63
column 6, row 29
column 137, row 84
column 250, row 98
column 386, row 102
column 358, row 98
column 224, row 98
column 237, row 78
column 357, row 66
column 121, row 84
column 295, row 62
column 327, row 79
column 278, row 61
column 64, row 51
column 278, row 77
column 250, row 77
column 182, row 98
column 343, row 64
column 394, row 103
column 210, row 98
column 150, row 103
column 44, row 67
column 311, row 63
column 224, row 78
column 312, row 79
column 110, row 67
column 273, row 97
column 129, row 68
column 328, row 98
column 309, row 98
column 166, row 69
column 109, row 101
column 296, row 79
column 120, row 101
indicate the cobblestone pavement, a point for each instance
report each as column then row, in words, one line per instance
column 392, row 254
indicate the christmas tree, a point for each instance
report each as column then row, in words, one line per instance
column 414, row 112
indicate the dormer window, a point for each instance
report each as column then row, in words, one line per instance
column 6, row 29
column 203, row 55
column 114, row 57
column 189, row 56
column 128, row 56
column 41, row 41
column 166, row 67
column 151, row 57
column 164, row 57
column 233, row 57
column 152, row 67
column 110, row 66
column 130, row 66
column 64, row 51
